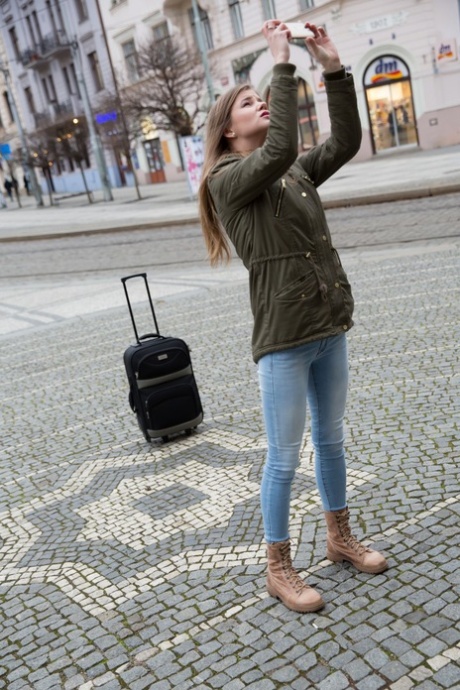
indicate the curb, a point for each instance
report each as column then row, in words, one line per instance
column 366, row 200
column 386, row 197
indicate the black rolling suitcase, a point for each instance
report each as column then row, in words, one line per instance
column 162, row 387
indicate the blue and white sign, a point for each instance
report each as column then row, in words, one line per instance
column 5, row 151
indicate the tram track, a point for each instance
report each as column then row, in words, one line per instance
column 381, row 226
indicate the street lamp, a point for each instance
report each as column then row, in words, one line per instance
column 28, row 169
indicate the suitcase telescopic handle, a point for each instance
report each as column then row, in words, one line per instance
column 149, row 335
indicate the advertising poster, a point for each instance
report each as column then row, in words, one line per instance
column 192, row 149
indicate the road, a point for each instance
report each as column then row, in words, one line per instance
column 45, row 281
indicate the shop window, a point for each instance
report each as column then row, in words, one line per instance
column 307, row 4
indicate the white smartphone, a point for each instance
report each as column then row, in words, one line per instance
column 298, row 30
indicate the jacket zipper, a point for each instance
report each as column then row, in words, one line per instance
column 280, row 197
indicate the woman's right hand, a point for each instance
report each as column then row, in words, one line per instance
column 277, row 36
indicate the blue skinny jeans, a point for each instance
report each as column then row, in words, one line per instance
column 318, row 373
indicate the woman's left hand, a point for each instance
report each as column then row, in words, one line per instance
column 323, row 49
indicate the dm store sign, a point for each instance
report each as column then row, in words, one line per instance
column 446, row 51
column 384, row 70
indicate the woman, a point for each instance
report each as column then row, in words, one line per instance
column 259, row 193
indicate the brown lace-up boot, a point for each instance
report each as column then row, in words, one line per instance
column 343, row 546
column 285, row 583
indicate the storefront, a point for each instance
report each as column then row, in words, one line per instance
column 388, row 89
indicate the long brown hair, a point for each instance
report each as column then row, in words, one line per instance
column 217, row 146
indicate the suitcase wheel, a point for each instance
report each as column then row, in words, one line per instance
column 165, row 438
column 188, row 432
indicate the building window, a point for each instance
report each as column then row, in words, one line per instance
column 75, row 80
column 236, row 18
column 160, row 31
column 14, row 42
column 52, row 89
column 307, row 4
column 205, row 28
column 82, row 10
column 51, row 17
column 45, row 90
column 131, row 61
column 36, row 25
column 269, row 9
column 68, row 85
column 33, row 40
column 96, row 71
column 30, row 99
column 7, row 102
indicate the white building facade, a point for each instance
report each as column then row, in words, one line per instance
column 52, row 48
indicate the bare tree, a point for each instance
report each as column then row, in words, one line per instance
column 169, row 90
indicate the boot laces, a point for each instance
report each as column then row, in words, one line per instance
column 290, row 572
column 349, row 538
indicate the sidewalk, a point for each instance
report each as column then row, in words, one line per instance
column 409, row 174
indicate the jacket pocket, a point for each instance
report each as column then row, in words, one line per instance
column 302, row 288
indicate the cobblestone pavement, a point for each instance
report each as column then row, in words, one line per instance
column 134, row 565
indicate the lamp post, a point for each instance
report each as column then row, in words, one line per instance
column 118, row 100
column 28, row 169
column 202, row 48
column 93, row 135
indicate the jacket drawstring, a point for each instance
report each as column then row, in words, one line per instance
column 323, row 289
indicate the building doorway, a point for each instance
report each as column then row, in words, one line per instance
column 388, row 89
column 155, row 160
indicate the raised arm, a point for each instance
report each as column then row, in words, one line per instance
column 345, row 139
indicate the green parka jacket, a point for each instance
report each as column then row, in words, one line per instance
column 268, row 204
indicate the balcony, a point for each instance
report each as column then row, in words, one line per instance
column 48, row 47
column 58, row 113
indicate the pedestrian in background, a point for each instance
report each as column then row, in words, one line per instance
column 9, row 188
column 256, row 191
column 26, row 183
